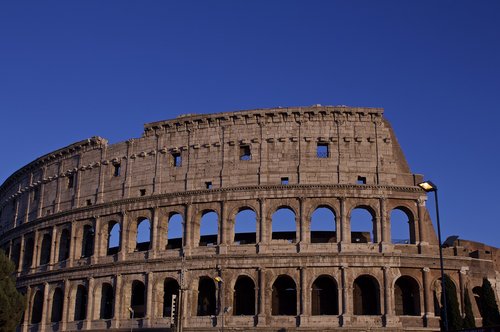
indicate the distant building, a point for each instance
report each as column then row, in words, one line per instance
column 134, row 234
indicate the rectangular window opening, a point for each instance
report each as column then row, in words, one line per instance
column 117, row 169
column 322, row 150
column 284, row 181
column 208, row 185
column 142, row 192
column 245, row 153
column 176, row 159
column 89, row 202
column 71, row 180
column 361, row 180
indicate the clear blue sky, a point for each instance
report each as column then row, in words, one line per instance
column 73, row 69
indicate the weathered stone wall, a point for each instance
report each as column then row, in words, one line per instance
column 89, row 186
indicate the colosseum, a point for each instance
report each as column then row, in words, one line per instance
column 237, row 221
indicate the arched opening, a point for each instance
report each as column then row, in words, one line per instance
column 206, row 297
column 170, row 288
column 114, row 231
column 175, row 231
column 64, row 242
column 138, row 299
column 45, row 249
column 283, row 225
column 28, row 253
column 16, row 252
column 324, row 296
column 143, row 238
column 57, row 306
column 209, row 228
column 37, row 307
column 81, row 303
column 284, row 297
column 407, row 297
column 323, row 225
column 88, row 241
column 366, row 296
column 402, row 230
column 362, row 225
column 244, row 296
column 245, row 226
column 107, row 301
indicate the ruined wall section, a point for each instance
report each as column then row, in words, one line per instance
column 282, row 143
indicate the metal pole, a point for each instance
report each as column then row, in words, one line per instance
column 444, row 314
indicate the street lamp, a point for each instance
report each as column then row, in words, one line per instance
column 132, row 313
column 428, row 186
column 221, row 308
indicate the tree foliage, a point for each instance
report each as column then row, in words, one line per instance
column 12, row 303
column 469, row 321
column 488, row 305
column 453, row 310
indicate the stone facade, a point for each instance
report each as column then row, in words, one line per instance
column 57, row 215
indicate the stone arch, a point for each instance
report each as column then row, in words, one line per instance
column 175, row 230
column 407, row 296
column 324, row 296
column 64, row 245
column 284, row 296
column 245, row 226
column 284, row 224
column 45, row 249
column 363, row 221
column 57, row 305
column 37, row 307
column 138, row 299
column 170, row 288
column 244, row 296
column 323, row 225
column 437, row 293
column 366, row 295
column 143, row 234
column 81, row 299
column 209, row 228
column 107, row 301
column 402, row 225
column 114, row 237
column 206, row 297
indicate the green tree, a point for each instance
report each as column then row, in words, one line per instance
column 469, row 321
column 489, row 307
column 453, row 311
column 12, row 303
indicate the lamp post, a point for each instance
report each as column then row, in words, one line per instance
column 428, row 186
column 132, row 313
column 221, row 300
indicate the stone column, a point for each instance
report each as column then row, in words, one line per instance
column 225, row 238
column 188, row 229
column 26, row 319
column 118, row 301
column 39, row 211
column 72, row 241
column 422, row 235
column 124, row 245
column 54, row 245
column 346, row 310
column 90, row 304
column 262, row 310
column 427, row 295
column 388, row 305
column 153, row 251
column 149, row 298
column 304, row 225
column 46, row 308
column 34, row 260
column 263, row 236
column 21, row 256
column 345, row 227
column 305, row 293
column 66, row 304
column 385, row 223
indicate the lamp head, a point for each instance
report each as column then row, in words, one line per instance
column 218, row 279
column 428, row 186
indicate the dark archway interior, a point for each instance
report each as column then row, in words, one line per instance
column 28, row 253
column 64, row 243
column 36, row 311
column 366, row 296
column 324, row 296
column 88, row 241
column 138, row 299
column 81, row 303
column 107, row 301
column 206, row 297
column 284, row 297
column 407, row 297
column 244, row 296
column 170, row 288
column 57, row 306
column 45, row 252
